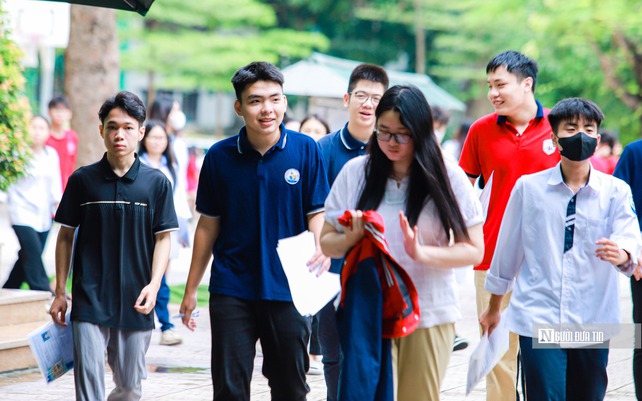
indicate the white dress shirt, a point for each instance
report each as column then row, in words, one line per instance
column 553, row 286
column 436, row 286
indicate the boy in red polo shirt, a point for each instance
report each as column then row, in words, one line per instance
column 501, row 147
column 62, row 138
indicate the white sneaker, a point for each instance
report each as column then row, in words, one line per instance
column 316, row 368
column 170, row 337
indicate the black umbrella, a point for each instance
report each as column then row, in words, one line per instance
column 140, row 6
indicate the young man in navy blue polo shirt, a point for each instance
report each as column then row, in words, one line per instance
column 262, row 185
column 366, row 86
column 123, row 212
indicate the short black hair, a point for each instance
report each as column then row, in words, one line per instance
column 368, row 72
column 253, row 72
column 58, row 101
column 515, row 63
column 574, row 109
column 130, row 103
column 609, row 138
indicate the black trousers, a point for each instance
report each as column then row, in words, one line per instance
column 29, row 267
column 237, row 325
column 636, row 294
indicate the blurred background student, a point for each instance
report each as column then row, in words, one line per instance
column 61, row 137
column 156, row 151
column 606, row 155
column 167, row 110
column 314, row 127
column 452, row 147
column 33, row 200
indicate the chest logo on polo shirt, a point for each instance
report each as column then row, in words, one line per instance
column 548, row 147
column 292, row 176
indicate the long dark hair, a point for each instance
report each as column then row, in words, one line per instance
column 168, row 153
column 428, row 178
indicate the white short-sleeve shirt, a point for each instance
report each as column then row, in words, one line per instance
column 436, row 286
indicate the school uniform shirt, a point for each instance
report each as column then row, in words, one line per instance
column 337, row 149
column 33, row 198
column 67, row 149
column 117, row 219
column 436, row 286
column 553, row 286
column 259, row 200
column 497, row 152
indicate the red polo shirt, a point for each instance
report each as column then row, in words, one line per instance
column 67, row 148
column 494, row 148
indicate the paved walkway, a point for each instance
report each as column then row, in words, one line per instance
column 182, row 372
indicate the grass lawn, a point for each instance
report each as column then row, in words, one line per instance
column 177, row 291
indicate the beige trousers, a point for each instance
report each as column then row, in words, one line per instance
column 419, row 362
column 501, row 381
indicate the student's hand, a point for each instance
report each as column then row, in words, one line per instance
column 410, row 238
column 489, row 319
column 319, row 261
column 58, row 309
column 354, row 232
column 147, row 299
column 637, row 272
column 187, row 307
column 608, row 251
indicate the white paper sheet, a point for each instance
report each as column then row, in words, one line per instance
column 484, row 196
column 309, row 292
column 487, row 354
column 52, row 346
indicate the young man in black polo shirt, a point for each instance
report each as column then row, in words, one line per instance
column 123, row 212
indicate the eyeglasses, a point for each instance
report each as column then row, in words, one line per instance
column 387, row 136
column 363, row 97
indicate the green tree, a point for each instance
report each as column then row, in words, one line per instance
column 351, row 35
column 199, row 44
column 14, row 111
column 584, row 48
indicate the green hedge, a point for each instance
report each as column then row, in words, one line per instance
column 14, row 111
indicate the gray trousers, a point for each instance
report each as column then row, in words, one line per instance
column 125, row 355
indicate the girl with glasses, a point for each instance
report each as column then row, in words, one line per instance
column 433, row 222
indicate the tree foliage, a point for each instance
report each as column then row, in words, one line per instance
column 374, row 40
column 584, row 48
column 199, row 44
column 14, row 110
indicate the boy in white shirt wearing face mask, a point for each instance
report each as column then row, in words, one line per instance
column 566, row 234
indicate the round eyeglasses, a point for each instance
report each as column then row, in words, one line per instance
column 363, row 97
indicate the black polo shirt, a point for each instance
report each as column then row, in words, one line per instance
column 117, row 218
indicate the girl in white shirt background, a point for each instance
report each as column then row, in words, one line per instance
column 156, row 151
column 32, row 201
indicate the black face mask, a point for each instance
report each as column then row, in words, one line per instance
column 578, row 147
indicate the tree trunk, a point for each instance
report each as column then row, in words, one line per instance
column 92, row 74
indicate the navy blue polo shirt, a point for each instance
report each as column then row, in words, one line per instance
column 628, row 169
column 259, row 200
column 337, row 148
column 117, row 218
